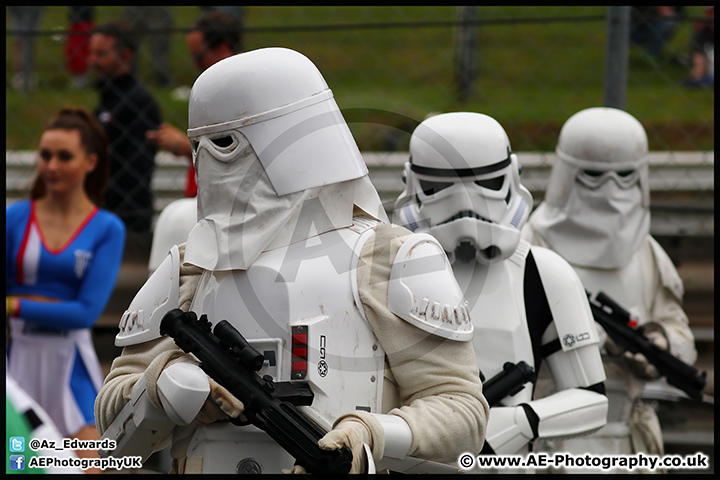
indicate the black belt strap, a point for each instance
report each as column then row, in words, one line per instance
column 537, row 310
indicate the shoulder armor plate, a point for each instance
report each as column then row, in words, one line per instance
column 141, row 321
column 567, row 300
column 423, row 290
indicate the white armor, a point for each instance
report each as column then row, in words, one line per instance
column 457, row 152
column 140, row 428
column 449, row 187
column 502, row 335
column 141, row 321
column 596, row 215
column 269, row 303
column 172, row 228
column 597, row 209
column 411, row 291
column 285, row 207
column 269, row 144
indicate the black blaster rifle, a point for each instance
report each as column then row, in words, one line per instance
column 510, row 381
column 620, row 326
column 232, row 362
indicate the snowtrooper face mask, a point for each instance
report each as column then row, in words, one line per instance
column 603, row 221
column 271, row 151
column 596, row 213
column 238, row 208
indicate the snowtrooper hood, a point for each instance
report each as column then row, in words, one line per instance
column 597, row 207
column 276, row 162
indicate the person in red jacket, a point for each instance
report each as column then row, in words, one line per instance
column 77, row 44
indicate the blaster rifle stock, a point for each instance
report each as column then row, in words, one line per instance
column 508, row 382
column 231, row 361
column 617, row 324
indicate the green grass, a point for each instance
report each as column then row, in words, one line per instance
column 530, row 76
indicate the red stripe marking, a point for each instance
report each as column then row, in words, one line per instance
column 67, row 244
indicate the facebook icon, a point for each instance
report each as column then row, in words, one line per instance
column 17, row 462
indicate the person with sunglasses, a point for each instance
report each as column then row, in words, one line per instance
column 213, row 37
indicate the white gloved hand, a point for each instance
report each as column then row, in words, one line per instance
column 219, row 405
column 228, row 403
column 607, row 344
column 349, row 433
column 296, row 470
column 639, row 364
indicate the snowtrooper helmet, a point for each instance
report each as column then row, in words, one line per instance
column 463, row 187
column 291, row 119
column 596, row 145
column 272, row 152
column 597, row 207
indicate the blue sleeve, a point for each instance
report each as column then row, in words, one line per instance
column 15, row 223
column 8, row 247
column 94, row 293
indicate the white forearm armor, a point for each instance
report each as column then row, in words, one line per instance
column 568, row 413
column 139, row 428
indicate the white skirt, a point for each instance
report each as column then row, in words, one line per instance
column 42, row 362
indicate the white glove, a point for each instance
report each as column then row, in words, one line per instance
column 189, row 396
column 349, row 433
column 639, row 364
column 296, row 470
column 219, row 405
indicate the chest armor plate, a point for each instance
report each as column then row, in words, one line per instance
column 495, row 296
column 626, row 286
column 298, row 306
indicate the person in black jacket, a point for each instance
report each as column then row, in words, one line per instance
column 653, row 27
column 127, row 110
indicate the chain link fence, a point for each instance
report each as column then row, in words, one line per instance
column 530, row 67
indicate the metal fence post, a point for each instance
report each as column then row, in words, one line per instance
column 616, row 56
column 465, row 52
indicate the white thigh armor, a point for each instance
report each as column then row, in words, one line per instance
column 298, row 306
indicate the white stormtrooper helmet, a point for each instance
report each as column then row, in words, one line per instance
column 597, row 207
column 272, row 151
column 463, row 187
